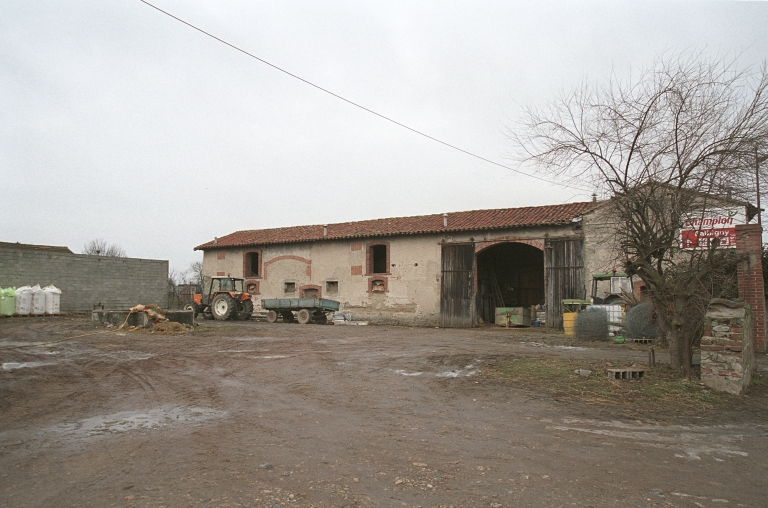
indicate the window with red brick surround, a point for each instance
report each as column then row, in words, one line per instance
column 377, row 258
column 252, row 263
column 252, row 286
column 378, row 285
column 310, row 288
column 221, row 255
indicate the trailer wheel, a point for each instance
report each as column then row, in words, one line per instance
column 287, row 316
column 321, row 319
column 271, row 317
column 304, row 316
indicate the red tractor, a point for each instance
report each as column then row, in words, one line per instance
column 222, row 298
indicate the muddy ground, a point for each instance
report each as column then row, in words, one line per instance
column 252, row 414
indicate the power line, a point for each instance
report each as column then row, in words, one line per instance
column 356, row 104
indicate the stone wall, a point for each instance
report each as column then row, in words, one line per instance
column 85, row 281
column 727, row 356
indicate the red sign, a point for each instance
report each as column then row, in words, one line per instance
column 701, row 238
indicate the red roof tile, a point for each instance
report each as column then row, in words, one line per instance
column 474, row 220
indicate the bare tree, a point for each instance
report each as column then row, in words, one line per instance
column 666, row 145
column 194, row 273
column 99, row 247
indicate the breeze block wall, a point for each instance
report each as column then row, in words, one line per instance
column 750, row 278
column 727, row 355
column 86, row 281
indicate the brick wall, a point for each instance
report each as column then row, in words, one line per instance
column 727, row 357
column 116, row 283
column 750, row 275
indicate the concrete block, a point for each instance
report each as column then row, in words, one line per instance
column 185, row 317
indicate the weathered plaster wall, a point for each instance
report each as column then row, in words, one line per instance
column 115, row 283
column 602, row 252
column 412, row 294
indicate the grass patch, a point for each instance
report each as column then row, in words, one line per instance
column 661, row 389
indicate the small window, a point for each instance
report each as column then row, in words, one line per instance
column 221, row 255
column 252, row 264
column 379, row 259
column 290, row 287
column 378, row 286
column 332, row 286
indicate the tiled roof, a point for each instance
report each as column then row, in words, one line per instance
column 474, row 220
column 26, row 246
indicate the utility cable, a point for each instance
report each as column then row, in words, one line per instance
column 562, row 184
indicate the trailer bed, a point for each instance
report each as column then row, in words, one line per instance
column 300, row 303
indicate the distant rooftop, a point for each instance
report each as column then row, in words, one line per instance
column 26, row 246
column 475, row 220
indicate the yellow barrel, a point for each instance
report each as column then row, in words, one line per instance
column 569, row 322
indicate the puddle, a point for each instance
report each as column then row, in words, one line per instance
column 406, row 373
column 25, row 365
column 272, row 357
column 683, row 441
column 127, row 355
column 126, row 421
column 539, row 344
column 467, row 371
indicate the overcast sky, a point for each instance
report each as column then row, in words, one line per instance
column 118, row 122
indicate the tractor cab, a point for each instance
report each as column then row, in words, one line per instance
column 619, row 283
column 214, row 285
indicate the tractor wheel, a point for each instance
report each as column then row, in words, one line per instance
column 207, row 314
column 222, row 306
column 304, row 316
column 244, row 310
column 192, row 307
column 287, row 316
column 271, row 317
column 321, row 319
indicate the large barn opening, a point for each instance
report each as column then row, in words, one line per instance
column 509, row 275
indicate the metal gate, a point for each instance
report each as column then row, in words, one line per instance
column 457, row 302
column 564, row 273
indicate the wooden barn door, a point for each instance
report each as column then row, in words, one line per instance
column 564, row 274
column 457, row 302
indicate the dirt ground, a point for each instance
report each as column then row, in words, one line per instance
column 251, row 414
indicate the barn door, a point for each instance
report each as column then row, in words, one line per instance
column 457, row 303
column 564, row 265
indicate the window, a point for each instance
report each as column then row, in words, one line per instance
column 221, row 255
column 378, row 285
column 252, row 264
column 290, row 287
column 377, row 258
column 332, row 286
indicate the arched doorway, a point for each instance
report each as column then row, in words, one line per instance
column 509, row 274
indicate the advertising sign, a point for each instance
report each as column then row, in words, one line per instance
column 699, row 232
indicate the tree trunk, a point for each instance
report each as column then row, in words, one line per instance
column 676, row 335
column 672, row 319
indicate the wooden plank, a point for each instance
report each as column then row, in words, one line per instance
column 564, row 265
column 457, row 309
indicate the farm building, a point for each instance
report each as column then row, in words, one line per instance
column 448, row 270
